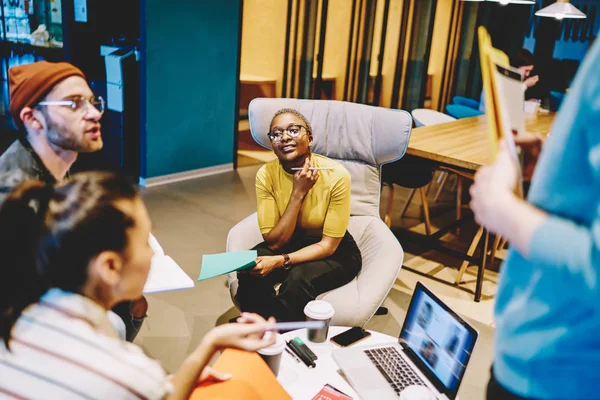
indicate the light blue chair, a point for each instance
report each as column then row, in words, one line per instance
column 459, row 112
column 362, row 138
column 465, row 101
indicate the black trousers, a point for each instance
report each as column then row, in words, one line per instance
column 301, row 283
column 495, row 391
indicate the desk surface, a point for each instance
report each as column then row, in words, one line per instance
column 249, row 78
column 302, row 382
column 464, row 143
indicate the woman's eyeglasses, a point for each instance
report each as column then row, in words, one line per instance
column 293, row 131
column 78, row 103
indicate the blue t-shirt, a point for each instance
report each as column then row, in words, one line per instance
column 548, row 304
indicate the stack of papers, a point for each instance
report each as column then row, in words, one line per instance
column 224, row 263
column 165, row 274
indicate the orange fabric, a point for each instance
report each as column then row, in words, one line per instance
column 230, row 389
column 29, row 83
column 252, row 379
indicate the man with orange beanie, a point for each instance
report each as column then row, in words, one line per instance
column 58, row 117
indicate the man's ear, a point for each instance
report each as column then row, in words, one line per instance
column 107, row 267
column 30, row 118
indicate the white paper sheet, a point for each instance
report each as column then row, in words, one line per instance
column 165, row 274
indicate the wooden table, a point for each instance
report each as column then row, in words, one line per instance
column 464, row 143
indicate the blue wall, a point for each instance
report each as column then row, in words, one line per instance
column 572, row 49
column 190, row 72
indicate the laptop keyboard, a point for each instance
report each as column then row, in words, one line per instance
column 393, row 367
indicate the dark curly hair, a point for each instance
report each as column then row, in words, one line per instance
column 48, row 234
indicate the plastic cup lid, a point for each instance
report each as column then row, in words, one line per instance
column 275, row 348
column 319, row 309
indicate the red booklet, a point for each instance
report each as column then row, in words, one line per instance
column 330, row 393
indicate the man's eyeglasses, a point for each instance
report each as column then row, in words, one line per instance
column 78, row 103
column 293, row 131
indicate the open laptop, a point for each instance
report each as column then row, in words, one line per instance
column 433, row 350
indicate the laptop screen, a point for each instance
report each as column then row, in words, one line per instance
column 438, row 337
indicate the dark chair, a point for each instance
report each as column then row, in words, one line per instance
column 413, row 173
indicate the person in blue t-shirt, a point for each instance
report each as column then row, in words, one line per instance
column 548, row 303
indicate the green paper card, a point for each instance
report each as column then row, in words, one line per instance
column 224, row 263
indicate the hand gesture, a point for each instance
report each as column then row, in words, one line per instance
column 212, row 375
column 492, row 186
column 532, row 81
column 305, row 179
column 531, row 147
column 266, row 264
column 247, row 334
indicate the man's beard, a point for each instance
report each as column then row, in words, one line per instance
column 70, row 143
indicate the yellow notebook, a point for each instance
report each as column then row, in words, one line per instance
column 252, row 379
column 502, row 86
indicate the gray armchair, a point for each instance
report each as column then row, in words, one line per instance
column 362, row 138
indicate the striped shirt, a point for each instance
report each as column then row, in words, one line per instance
column 63, row 347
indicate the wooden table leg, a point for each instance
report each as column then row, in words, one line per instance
column 459, row 190
column 482, row 263
column 470, row 252
column 495, row 248
column 425, row 210
column 407, row 203
column 442, row 180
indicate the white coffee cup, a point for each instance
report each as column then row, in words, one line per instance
column 272, row 354
column 417, row 392
column 318, row 310
column 531, row 107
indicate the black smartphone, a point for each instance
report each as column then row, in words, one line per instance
column 351, row 336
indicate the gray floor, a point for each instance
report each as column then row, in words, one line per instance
column 192, row 218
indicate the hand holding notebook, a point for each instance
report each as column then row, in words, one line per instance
column 504, row 102
column 531, row 147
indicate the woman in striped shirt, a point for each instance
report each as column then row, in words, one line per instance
column 70, row 253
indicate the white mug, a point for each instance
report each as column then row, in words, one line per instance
column 531, row 107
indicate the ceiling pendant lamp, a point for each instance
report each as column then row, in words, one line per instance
column 505, row 2
column 559, row 10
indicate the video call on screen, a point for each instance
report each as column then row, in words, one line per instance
column 438, row 339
